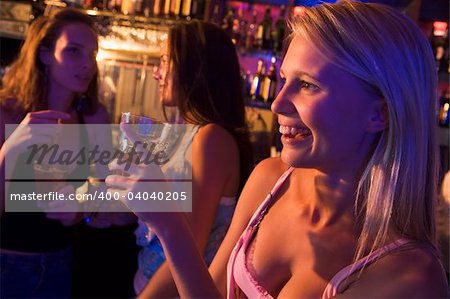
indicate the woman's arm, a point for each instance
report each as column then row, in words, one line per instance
column 24, row 135
column 183, row 257
column 215, row 172
column 409, row 273
column 175, row 231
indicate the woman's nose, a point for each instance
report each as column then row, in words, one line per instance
column 282, row 103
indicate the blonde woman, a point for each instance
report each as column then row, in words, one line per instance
column 348, row 208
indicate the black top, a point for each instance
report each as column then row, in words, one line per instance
column 33, row 231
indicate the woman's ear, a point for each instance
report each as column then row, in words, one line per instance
column 44, row 55
column 379, row 117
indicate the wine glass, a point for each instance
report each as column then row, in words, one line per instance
column 163, row 136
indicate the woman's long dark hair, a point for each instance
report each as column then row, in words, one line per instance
column 207, row 83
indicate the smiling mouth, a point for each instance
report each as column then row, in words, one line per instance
column 292, row 132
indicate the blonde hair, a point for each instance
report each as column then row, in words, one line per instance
column 385, row 49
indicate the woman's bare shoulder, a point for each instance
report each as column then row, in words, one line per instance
column 413, row 272
column 214, row 134
column 260, row 183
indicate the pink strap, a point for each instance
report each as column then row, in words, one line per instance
column 247, row 233
column 331, row 289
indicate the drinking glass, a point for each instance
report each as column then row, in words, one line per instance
column 164, row 136
column 49, row 174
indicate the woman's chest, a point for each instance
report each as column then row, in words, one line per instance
column 288, row 257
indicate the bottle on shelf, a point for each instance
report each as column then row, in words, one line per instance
column 269, row 86
column 258, row 81
column 139, row 7
column 128, row 7
column 115, row 5
column 242, row 28
column 147, row 8
column 227, row 22
column 444, row 63
column 214, row 11
column 279, row 30
column 444, row 109
column 158, row 7
column 165, row 8
column 439, row 44
column 198, row 9
column 175, row 8
column 236, row 30
column 266, row 31
column 246, row 76
column 250, row 36
column 186, row 9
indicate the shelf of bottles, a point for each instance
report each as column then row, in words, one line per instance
column 139, row 12
column 258, row 31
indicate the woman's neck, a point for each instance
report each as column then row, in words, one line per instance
column 326, row 197
column 59, row 99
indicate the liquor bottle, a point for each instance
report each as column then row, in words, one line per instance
column 279, row 30
column 242, row 28
column 236, row 31
column 128, row 7
column 147, row 8
column 139, row 7
column 246, row 82
column 258, row 81
column 439, row 43
column 186, row 9
column 444, row 109
column 115, row 5
column 267, row 30
column 443, row 64
column 198, row 9
column 166, row 8
column 227, row 22
column 214, row 11
column 158, row 8
column 250, row 36
column 175, row 8
column 269, row 87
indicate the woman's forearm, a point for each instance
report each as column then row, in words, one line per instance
column 186, row 263
column 161, row 285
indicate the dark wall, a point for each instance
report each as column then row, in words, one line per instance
column 434, row 10
column 9, row 49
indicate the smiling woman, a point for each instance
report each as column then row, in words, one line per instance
column 347, row 211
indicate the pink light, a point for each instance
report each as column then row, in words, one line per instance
column 440, row 28
column 299, row 10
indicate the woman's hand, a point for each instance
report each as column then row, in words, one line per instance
column 27, row 133
column 133, row 179
column 66, row 211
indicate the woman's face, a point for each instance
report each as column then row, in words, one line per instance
column 72, row 63
column 324, row 112
column 163, row 76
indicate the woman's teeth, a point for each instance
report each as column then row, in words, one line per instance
column 293, row 131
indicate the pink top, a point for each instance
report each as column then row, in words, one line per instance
column 239, row 275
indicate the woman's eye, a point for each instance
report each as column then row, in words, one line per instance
column 73, row 50
column 308, row 86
